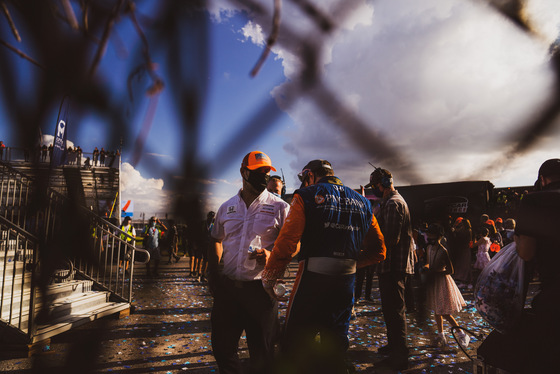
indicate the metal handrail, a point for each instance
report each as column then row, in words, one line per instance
column 14, row 270
column 112, row 252
column 112, row 246
column 18, row 229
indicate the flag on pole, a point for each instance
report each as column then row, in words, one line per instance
column 127, row 208
column 60, row 135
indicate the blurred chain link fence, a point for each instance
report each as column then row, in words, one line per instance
column 63, row 43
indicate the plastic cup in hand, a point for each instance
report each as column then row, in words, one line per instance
column 279, row 290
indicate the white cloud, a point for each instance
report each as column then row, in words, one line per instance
column 446, row 83
column 147, row 194
column 543, row 17
column 253, row 32
column 49, row 139
column 219, row 191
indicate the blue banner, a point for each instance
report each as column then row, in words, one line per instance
column 60, row 135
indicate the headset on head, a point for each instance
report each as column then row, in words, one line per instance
column 283, row 193
column 386, row 180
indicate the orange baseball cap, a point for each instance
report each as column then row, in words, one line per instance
column 256, row 159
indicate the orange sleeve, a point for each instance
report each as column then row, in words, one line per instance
column 373, row 248
column 286, row 245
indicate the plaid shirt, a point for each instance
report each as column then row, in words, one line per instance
column 394, row 220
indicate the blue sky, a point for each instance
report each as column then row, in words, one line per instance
column 443, row 84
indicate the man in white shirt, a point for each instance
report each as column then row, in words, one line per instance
column 240, row 301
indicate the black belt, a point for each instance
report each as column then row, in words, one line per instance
column 244, row 284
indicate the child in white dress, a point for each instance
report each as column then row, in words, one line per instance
column 483, row 244
column 442, row 294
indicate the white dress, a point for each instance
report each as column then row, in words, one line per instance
column 482, row 256
column 442, row 294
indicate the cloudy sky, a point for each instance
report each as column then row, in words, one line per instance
column 440, row 87
column 433, row 90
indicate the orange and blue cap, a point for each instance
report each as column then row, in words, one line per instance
column 255, row 160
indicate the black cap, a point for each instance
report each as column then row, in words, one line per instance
column 317, row 164
column 550, row 168
column 370, row 180
column 377, row 175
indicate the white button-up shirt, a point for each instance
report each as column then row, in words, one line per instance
column 236, row 226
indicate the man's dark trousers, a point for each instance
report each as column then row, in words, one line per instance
column 391, row 288
column 242, row 306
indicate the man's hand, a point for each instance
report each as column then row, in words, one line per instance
column 261, row 255
column 270, row 292
column 273, row 295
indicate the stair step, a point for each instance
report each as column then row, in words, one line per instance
column 16, row 255
column 16, row 281
column 70, row 287
column 65, row 323
column 9, row 271
column 66, row 307
column 21, row 276
column 77, row 303
column 56, row 291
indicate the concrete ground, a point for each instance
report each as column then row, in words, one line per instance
column 169, row 332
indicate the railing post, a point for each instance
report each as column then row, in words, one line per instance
column 131, row 271
column 32, row 327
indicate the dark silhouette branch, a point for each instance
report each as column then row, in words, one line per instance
column 150, row 67
column 85, row 13
column 70, row 15
column 10, row 21
column 21, row 54
column 321, row 19
column 514, row 10
column 271, row 39
column 105, row 38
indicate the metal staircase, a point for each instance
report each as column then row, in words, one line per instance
column 39, row 300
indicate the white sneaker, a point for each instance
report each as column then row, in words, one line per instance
column 440, row 341
column 463, row 338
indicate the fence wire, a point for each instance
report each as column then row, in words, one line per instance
column 41, row 32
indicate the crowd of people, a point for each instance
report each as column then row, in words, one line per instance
column 74, row 156
column 176, row 242
column 338, row 239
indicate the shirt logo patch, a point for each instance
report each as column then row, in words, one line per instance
column 319, row 199
column 267, row 209
column 231, row 209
